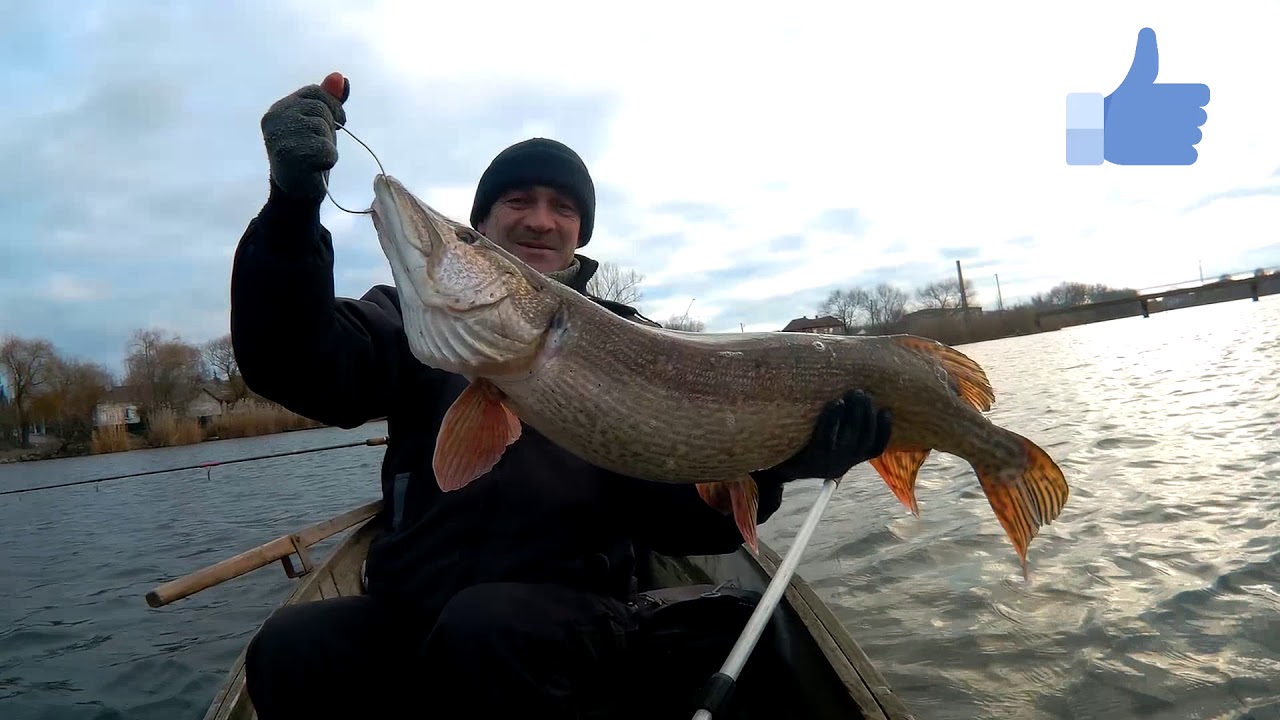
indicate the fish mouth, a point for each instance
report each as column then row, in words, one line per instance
column 403, row 222
column 422, row 245
column 455, row 293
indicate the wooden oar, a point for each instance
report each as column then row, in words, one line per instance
column 279, row 549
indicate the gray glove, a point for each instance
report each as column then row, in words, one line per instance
column 300, row 137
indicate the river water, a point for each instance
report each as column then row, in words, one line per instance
column 1155, row 595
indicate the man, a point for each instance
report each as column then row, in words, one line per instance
column 513, row 594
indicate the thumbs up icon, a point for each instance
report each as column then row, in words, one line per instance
column 1142, row 122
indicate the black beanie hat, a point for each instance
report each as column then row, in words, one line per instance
column 538, row 161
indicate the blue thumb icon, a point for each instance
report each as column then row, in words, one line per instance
column 1141, row 122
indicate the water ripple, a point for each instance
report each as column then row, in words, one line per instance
column 77, row 639
column 1154, row 596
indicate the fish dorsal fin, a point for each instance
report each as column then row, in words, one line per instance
column 966, row 377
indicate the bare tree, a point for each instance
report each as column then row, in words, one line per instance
column 857, row 306
column 1077, row 293
column 887, row 305
column 25, row 364
column 945, row 294
column 220, row 356
column 848, row 306
column 686, row 323
column 611, row 282
column 74, row 389
column 165, row 372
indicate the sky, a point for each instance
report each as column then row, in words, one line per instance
column 747, row 162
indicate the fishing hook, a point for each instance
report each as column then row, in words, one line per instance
column 325, row 174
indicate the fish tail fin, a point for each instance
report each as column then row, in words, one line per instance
column 898, row 469
column 475, row 433
column 1024, row 496
column 966, row 377
column 741, row 498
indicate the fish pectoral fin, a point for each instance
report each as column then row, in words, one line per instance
column 475, row 433
column 1026, row 496
column 739, row 497
column 899, row 469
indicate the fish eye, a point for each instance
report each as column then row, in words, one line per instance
column 468, row 236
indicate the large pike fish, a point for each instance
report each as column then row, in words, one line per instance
column 677, row 407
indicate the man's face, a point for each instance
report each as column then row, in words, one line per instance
column 537, row 224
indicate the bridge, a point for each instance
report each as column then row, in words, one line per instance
column 1162, row 298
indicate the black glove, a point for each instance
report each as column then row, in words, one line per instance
column 300, row 137
column 849, row 432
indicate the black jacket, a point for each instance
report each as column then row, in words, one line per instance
column 541, row 514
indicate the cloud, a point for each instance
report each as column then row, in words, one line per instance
column 960, row 253
column 754, row 168
column 1270, row 190
column 1261, row 257
column 692, row 211
column 138, row 176
column 840, row 220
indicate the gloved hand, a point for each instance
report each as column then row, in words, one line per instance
column 849, row 431
column 300, row 137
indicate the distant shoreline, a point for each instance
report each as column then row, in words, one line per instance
column 954, row 328
column 167, row 432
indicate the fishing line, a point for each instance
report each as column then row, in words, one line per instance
column 206, row 466
column 325, row 174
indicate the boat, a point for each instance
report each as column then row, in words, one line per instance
column 806, row 665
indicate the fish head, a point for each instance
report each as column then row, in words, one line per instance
column 469, row 306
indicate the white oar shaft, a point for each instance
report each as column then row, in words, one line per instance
column 773, row 593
